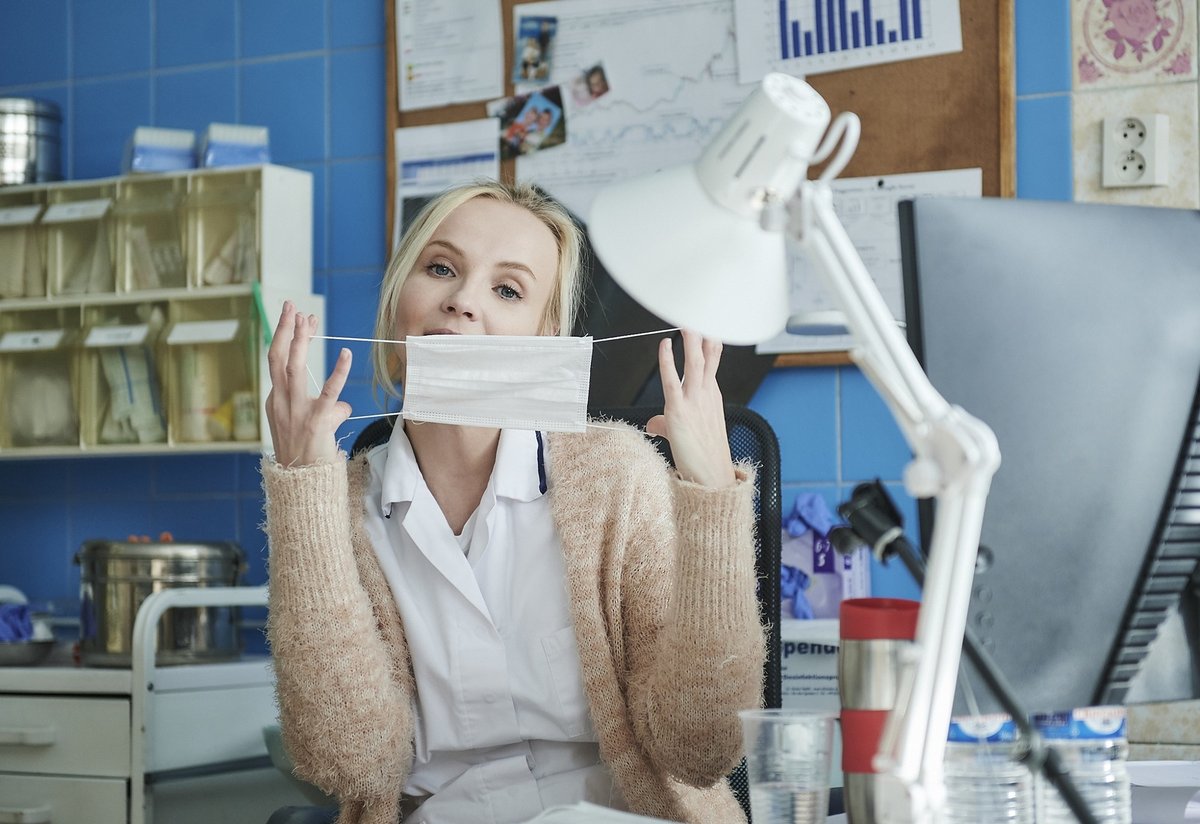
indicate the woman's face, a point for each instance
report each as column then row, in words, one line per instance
column 488, row 269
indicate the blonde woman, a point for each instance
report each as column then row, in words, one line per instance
column 473, row 624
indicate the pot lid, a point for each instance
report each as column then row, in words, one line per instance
column 178, row 550
column 32, row 106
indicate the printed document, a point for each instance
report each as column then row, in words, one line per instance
column 867, row 208
column 669, row 84
column 448, row 51
column 432, row 158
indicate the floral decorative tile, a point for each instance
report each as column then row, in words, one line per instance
column 1132, row 42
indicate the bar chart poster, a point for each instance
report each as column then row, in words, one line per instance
column 801, row 37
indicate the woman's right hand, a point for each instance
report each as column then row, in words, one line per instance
column 302, row 427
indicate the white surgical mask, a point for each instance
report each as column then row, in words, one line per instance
column 534, row 382
column 537, row 382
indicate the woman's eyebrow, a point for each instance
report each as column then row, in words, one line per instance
column 447, row 244
column 503, row 264
column 512, row 264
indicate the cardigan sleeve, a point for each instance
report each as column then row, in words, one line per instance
column 695, row 645
column 339, row 703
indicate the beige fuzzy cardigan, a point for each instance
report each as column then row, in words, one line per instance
column 661, row 582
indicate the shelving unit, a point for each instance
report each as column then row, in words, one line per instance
column 134, row 311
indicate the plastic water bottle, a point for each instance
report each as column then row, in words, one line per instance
column 1093, row 745
column 985, row 784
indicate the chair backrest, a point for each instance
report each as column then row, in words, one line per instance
column 750, row 438
column 376, row 432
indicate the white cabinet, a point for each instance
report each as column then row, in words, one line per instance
column 145, row 744
column 135, row 311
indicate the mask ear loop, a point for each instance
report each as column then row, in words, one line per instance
column 591, row 425
column 317, row 386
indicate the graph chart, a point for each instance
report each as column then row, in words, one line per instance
column 668, row 96
column 821, row 26
column 810, row 36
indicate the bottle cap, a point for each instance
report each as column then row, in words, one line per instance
column 997, row 727
column 1082, row 723
column 875, row 618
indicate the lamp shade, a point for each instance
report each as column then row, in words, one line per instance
column 691, row 262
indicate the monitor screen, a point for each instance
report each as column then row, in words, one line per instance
column 1073, row 331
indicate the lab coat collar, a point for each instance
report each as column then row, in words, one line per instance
column 519, row 473
column 400, row 470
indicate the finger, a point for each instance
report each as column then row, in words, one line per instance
column 336, row 381
column 712, row 358
column 693, row 358
column 297, row 363
column 666, row 370
column 280, row 341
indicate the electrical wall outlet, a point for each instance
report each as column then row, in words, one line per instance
column 1134, row 150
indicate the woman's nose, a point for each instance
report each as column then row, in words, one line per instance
column 460, row 301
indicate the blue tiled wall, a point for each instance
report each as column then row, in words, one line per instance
column 313, row 71
column 1043, row 45
column 310, row 70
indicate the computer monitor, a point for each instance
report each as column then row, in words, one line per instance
column 1073, row 331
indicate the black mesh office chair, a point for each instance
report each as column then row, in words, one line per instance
column 750, row 438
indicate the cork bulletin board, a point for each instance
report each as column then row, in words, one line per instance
column 950, row 111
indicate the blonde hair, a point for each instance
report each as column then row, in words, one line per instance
column 561, row 309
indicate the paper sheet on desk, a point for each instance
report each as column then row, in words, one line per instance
column 1163, row 791
column 581, row 812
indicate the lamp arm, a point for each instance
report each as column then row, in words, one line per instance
column 955, row 457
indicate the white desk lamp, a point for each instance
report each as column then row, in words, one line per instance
column 702, row 247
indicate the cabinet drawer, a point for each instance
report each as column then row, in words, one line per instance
column 62, row 800
column 73, row 736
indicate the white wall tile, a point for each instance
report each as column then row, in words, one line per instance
column 1179, row 102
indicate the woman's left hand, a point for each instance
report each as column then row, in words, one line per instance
column 693, row 418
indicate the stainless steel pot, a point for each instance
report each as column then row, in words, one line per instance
column 115, row 577
column 30, row 146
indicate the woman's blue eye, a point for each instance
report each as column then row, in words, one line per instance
column 440, row 270
column 507, row 292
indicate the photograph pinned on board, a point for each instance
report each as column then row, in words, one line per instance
column 589, row 85
column 530, row 122
column 534, row 49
